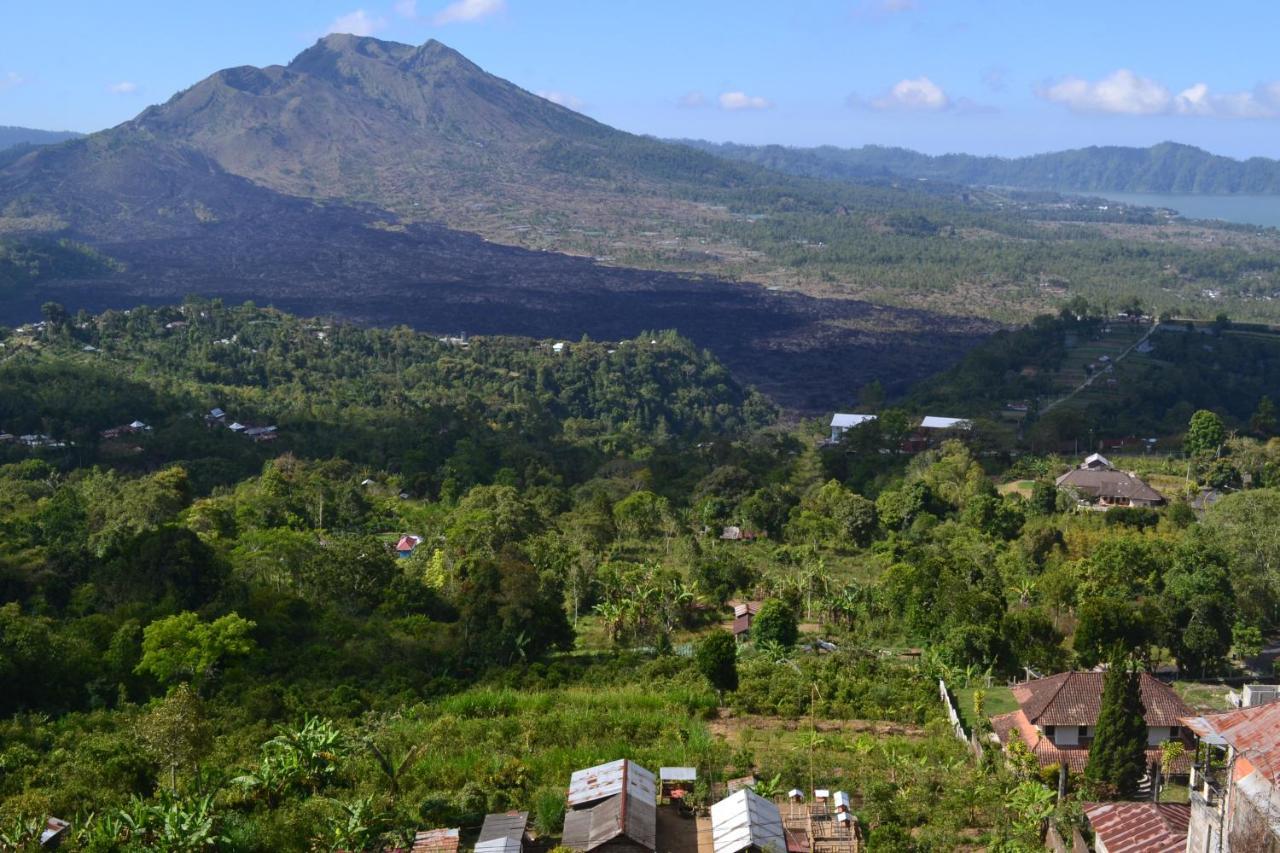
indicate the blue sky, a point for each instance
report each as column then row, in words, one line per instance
column 935, row 75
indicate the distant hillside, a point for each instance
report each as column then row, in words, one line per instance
column 1165, row 168
column 11, row 136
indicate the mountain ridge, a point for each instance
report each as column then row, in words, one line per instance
column 1167, row 167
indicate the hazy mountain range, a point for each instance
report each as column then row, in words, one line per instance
column 11, row 136
column 1165, row 168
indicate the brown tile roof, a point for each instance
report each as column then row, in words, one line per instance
column 1140, row 827
column 1109, row 484
column 1074, row 699
column 1252, row 732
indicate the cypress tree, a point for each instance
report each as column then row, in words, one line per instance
column 1117, row 758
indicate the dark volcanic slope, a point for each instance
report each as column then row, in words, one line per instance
column 809, row 354
column 278, row 184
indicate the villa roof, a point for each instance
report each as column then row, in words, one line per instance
column 1074, row 698
column 1107, row 483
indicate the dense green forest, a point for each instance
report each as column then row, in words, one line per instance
column 1164, row 168
column 209, row 641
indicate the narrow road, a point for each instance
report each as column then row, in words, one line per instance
column 1088, row 381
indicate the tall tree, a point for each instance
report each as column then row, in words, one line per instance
column 717, row 659
column 1205, row 433
column 1117, row 758
column 775, row 623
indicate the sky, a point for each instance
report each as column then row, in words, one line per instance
column 977, row 76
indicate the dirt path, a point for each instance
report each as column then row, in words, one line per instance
column 730, row 726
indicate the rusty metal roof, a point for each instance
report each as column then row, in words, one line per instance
column 747, row 821
column 1252, row 732
column 606, row 780
column 624, row 815
column 1075, row 698
column 1140, row 827
column 436, row 841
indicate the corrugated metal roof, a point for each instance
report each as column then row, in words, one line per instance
column 934, row 422
column 436, row 841
column 503, row 833
column 747, row 821
column 622, row 815
column 604, row 780
column 1140, row 827
column 1252, row 732
column 840, row 419
column 678, row 774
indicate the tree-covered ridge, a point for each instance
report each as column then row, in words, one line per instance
column 368, row 395
column 24, row 262
column 1165, row 168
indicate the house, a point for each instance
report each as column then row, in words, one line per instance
column 1096, row 462
column 676, row 779
column 1056, row 717
column 743, row 614
column 1104, row 487
column 55, row 830
column 406, row 544
column 436, row 841
column 612, row 806
column 507, row 832
column 842, row 423
column 933, row 429
column 236, row 426
column 216, row 414
column 931, row 422
column 128, row 429
column 1138, row 827
column 738, row 534
column 1235, row 781
column 745, row 822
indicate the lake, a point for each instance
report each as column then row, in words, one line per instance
column 1246, row 209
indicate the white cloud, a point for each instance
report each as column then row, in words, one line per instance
column 1121, row 92
column 692, row 100
column 1198, row 100
column 124, row 87
column 743, row 101
column 357, row 23
column 564, row 99
column 11, row 80
column 407, row 8
column 919, row 93
column 469, row 10
column 1125, row 93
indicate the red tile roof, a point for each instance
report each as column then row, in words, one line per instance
column 1074, row 699
column 1140, row 827
column 1252, row 732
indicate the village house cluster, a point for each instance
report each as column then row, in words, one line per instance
column 218, row 417
column 926, row 433
column 623, row 807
